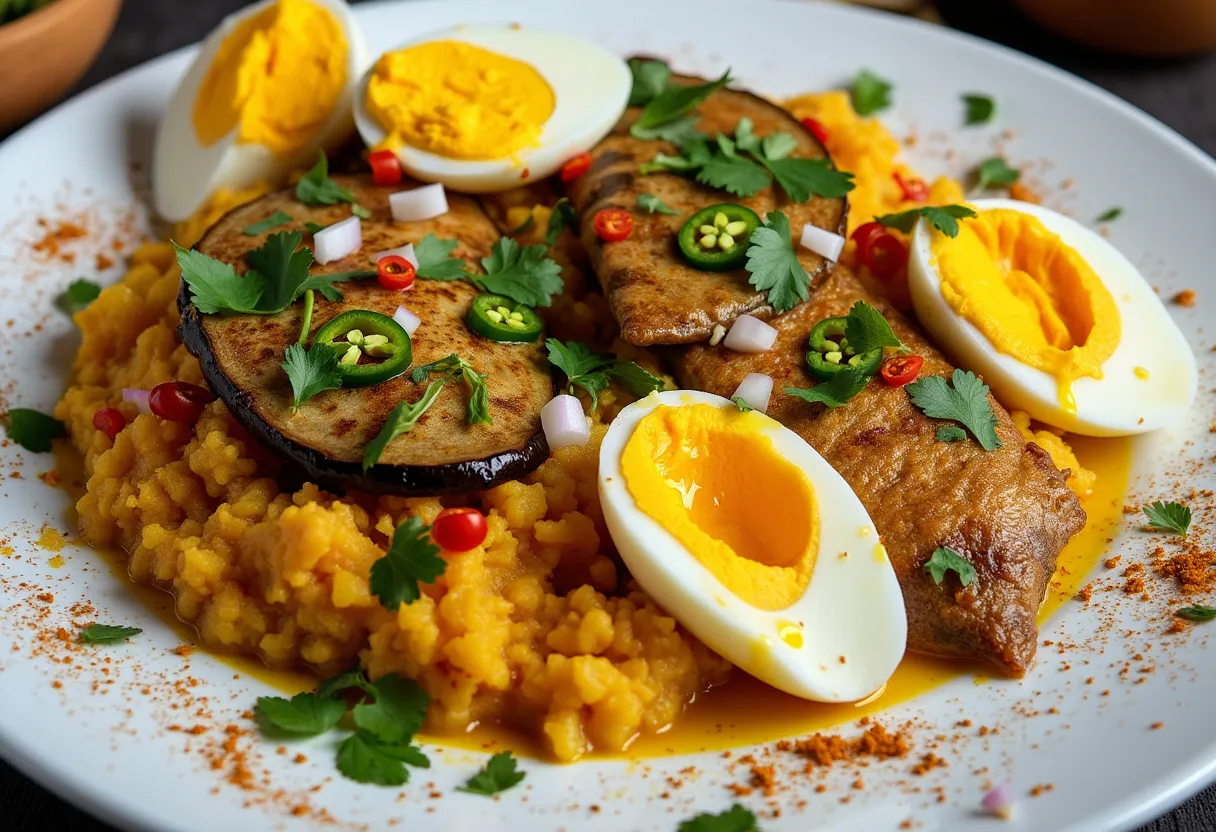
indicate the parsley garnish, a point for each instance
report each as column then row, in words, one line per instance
column 79, row 294
column 950, row 433
column 560, row 218
column 1197, row 613
column 866, row 329
column 870, row 94
column 649, row 80
column 311, row 372
column 672, row 104
column 773, row 264
column 734, row 819
column 593, row 371
column 743, row 406
column 651, row 204
column 836, row 391
column 305, row 714
column 452, row 366
column 980, row 108
column 435, row 260
column 106, row 633
column 499, row 774
column 1169, row 517
column 352, row 678
column 313, row 227
column 401, row 420
column 966, row 402
column 397, row 709
column 365, row 759
column 1110, row 215
column 942, row 217
column 945, row 560
column 524, row 275
column 34, row 430
column 273, row 221
column 316, row 188
column 411, row 558
column 995, row 171
column 523, row 226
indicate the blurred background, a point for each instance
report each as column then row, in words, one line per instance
column 1156, row 54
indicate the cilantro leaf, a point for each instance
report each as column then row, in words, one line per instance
column 1197, row 613
column 397, row 710
column 435, row 260
column 353, row 678
column 637, row 379
column 215, row 286
column 305, row 714
column 106, row 633
column 942, row 217
column 324, row 283
column 804, row 178
column 740, row 403
column 868, row 330
column 1110, row 215
column 995, row 171
column 677, row 132
column 966, row 402
column 836, row 391
column 651, row 204
column 311, row 372
column 674, row 102
column 523, row 226
column 401, row 420
column 980, row 108
column 774, row 265
column 499, row 774
column 1169, row 517
column 524, row 275
column 734, row 819
column 281, row 266
column 365, row 759
column 262, row 226
column 950, row 433
column 945, row 559
column 777, row 146
column 411, row 558
column 561, row 218
column 592, row 371
column 478, row 411
column 870, row 94
column 649, row 80
column 34, row 430
column 735, row 175
column 79, row 294
column 316, row 188
column 313, row 227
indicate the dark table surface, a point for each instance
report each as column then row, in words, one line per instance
column 1182, row 93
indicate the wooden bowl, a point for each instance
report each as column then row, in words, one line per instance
column 1155, row 28
column 44, row 53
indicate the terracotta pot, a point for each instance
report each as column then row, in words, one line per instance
column 1135, row 27
column 44, row 53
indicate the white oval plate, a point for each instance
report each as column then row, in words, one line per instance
column 112, row 754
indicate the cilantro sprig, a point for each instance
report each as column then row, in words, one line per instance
column 943, row 560
column 499, row 774
column 79, row 294
column 1169, row 517
column 980, row 108
column 1110, row 215
column 950, row 433
column 411, row 559
column 836, row 391
column 593, row 371
column 316, row 188
column 666, row 114
column 870, row 94
column 304, row 715
column 995, row 171
column 561, row 217
column 649, row 80
column 964, row 399
column 34, row 430
column 773, row 264
column 107, row 633
column 1197, row 613
column 942, row 217
column 866, row 329
column 275, row 220
column 651, row 204
column 735, row 819
column 525, row 275
column 435, row 260
column 311, row 371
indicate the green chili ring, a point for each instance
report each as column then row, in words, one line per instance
column 376, row 340
column 501, row 319
column 829, row 351
column 715, row 238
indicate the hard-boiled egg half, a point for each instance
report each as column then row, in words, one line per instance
column 484, row 109
column 271, row 86
column 1054, row 318
column 744, row 534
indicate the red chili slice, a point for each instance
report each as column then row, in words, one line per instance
column 576, row 167
column 613, row 224
column 459, row 529
column 914, row 188
column 901, row 369
column 864, row 235
column 110, row 421
column 886, row 256
column 386, row 167
column 817, row 129
column 178, row 401
column 396, row 273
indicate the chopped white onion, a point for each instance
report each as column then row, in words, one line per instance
column 338, row 240
column 137, row 397
column 406, row 251
column 564, row 423
column 420, row 204
column 408, row 320
column 748, row 334
column 755, row 389
column 824, row 243
column 999, row 802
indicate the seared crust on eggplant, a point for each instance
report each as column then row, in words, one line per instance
column 241, row 356
column 655, row 295
column 1008, row 511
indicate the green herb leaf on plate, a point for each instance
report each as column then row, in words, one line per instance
column 435, row 260
column 1110, row 215
column 453, row 366
column 980, row 108
column 275, row 220
column 995, row 171
column 401, row 420
column 396, row 712
column 316, row 188
column 305, row 714
column 950, row 433
column 836, row 391
column 593, row 371
column 734, row 819
column 411, row 559
column 353, row 678
column 1197, row 613
column 945, row 559
column 651, row 204
column 79, row 294
column 365, row 759
column 677, row 132
column 311, row 372
column 866, row 329
column 1169, row 517
column 965, row 402
column 649, row 80
column 870, row 94
column 34, row 430
column 215, row 286
column 526, row 275
column 560, row 218
column 499, row 774
column 675, row 102
column 743, row 406
column 773, row 264
column 313, row 227
column 107, row 633
column 942, row 217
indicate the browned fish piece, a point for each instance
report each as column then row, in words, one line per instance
column 655, row 295
column 1008, row 511
column 241, row 357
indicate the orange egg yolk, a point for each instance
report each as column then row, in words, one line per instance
column 711, row 477
column 1031, row 294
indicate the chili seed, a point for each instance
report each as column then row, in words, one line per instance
column 494, row 315
column 709, row 241
column 833, row 357
column 721, row 220
column 354, row 337
column 708, row 229
column 736, row 228
column 514, row 324
column 351, row 356
column 726, row 242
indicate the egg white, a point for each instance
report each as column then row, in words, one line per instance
column 1118, row 404
column 852, row 606
column 590, row 85
column 184, row 172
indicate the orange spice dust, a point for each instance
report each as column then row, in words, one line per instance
column 51, row 243
column 1184, row 298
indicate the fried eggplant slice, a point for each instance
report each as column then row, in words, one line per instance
column 241, row 356
column 1008, row 511
column 656, row 296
